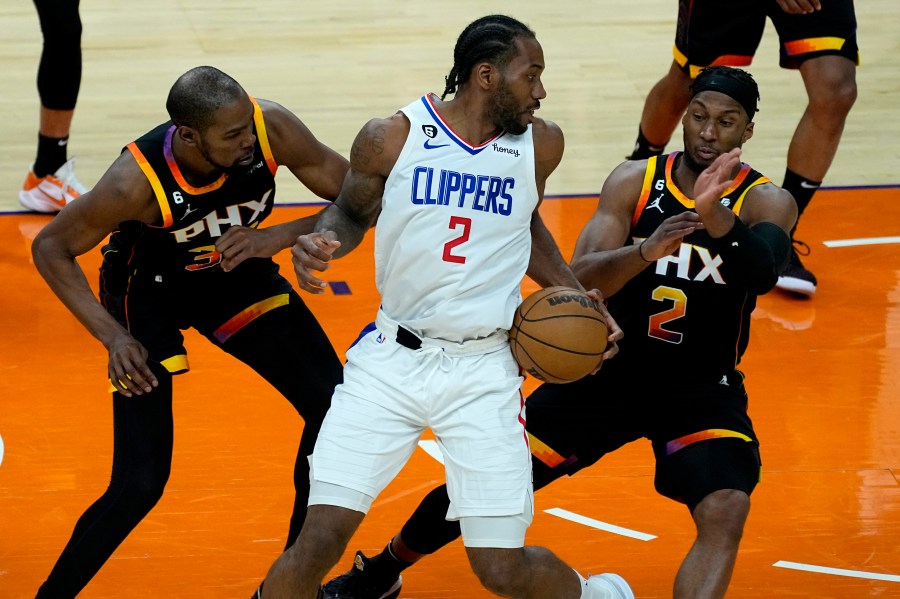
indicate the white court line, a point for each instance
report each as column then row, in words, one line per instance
column 836, row 571
column 625, row 532
column 842, row 243
column 431, row 448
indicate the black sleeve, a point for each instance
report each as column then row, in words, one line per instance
column 754, row 256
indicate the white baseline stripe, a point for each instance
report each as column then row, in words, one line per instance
column 625, row 532
column 432, row 449
column 836, row 571
column 842, row 243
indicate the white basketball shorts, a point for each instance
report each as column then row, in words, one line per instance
column 390, row 394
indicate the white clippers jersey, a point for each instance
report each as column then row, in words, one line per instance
column 453, row 240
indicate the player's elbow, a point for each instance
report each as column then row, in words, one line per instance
column 762, row 280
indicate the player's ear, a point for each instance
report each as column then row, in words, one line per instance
column 748, row 132
column 486, row 75
column 188, row 135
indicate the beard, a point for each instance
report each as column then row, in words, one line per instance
column 504, row 111
column 692, row 164
column 235, row 168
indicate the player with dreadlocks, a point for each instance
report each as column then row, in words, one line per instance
column 454, row 186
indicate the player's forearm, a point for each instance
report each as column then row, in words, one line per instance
column 350, row 231
column 550, row 270
column 754, row 255
column 609, row 270
column 285, row 234
column 67, row 281
column 546, row 265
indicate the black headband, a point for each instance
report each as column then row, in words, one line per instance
column 739, row 91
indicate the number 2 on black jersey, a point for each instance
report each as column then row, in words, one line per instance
column 656, row 328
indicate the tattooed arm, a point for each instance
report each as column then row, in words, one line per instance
column 342, row 225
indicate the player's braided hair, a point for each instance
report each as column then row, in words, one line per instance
column 197, row 94
column 489, row 39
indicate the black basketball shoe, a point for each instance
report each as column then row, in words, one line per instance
column 360, row 583
column 795, row 277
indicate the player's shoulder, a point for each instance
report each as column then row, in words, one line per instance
column 769, row 202
column 381, row 135
column 769, row 192
column 379, row 143
column 123, row 192
column 628, row 173
column 397, row 124
column 279, row 121
column 548, row 141
column 271, row 110
column 545, row 131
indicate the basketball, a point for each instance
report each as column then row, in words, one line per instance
column 558, row 335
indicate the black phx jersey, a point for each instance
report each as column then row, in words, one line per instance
column 192, row 218
column 695, row 309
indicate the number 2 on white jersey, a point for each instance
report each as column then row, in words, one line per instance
column 455, row 222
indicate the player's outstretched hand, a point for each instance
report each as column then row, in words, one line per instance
column 240, row 243
column 312, row 253
column 667, row 237
column 128, row 369
column 714, row 180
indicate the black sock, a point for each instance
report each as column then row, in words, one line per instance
column 387, row 565
column 801, row 188
column 51, row 154
column 644, row 149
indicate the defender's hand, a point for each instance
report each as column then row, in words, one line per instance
column 311, row 253
column 240, row 243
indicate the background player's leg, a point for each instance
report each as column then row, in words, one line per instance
column 663, row 109
column 51, row 182
column 142, row 459
column 289, row 349
column 831, row 87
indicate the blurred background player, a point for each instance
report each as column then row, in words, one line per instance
column 51, row 181
column 817, row 38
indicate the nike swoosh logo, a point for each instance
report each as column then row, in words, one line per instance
column 61, row 202
column 429, row 146
column 806, row 185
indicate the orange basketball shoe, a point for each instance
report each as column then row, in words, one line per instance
column 51, row 193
